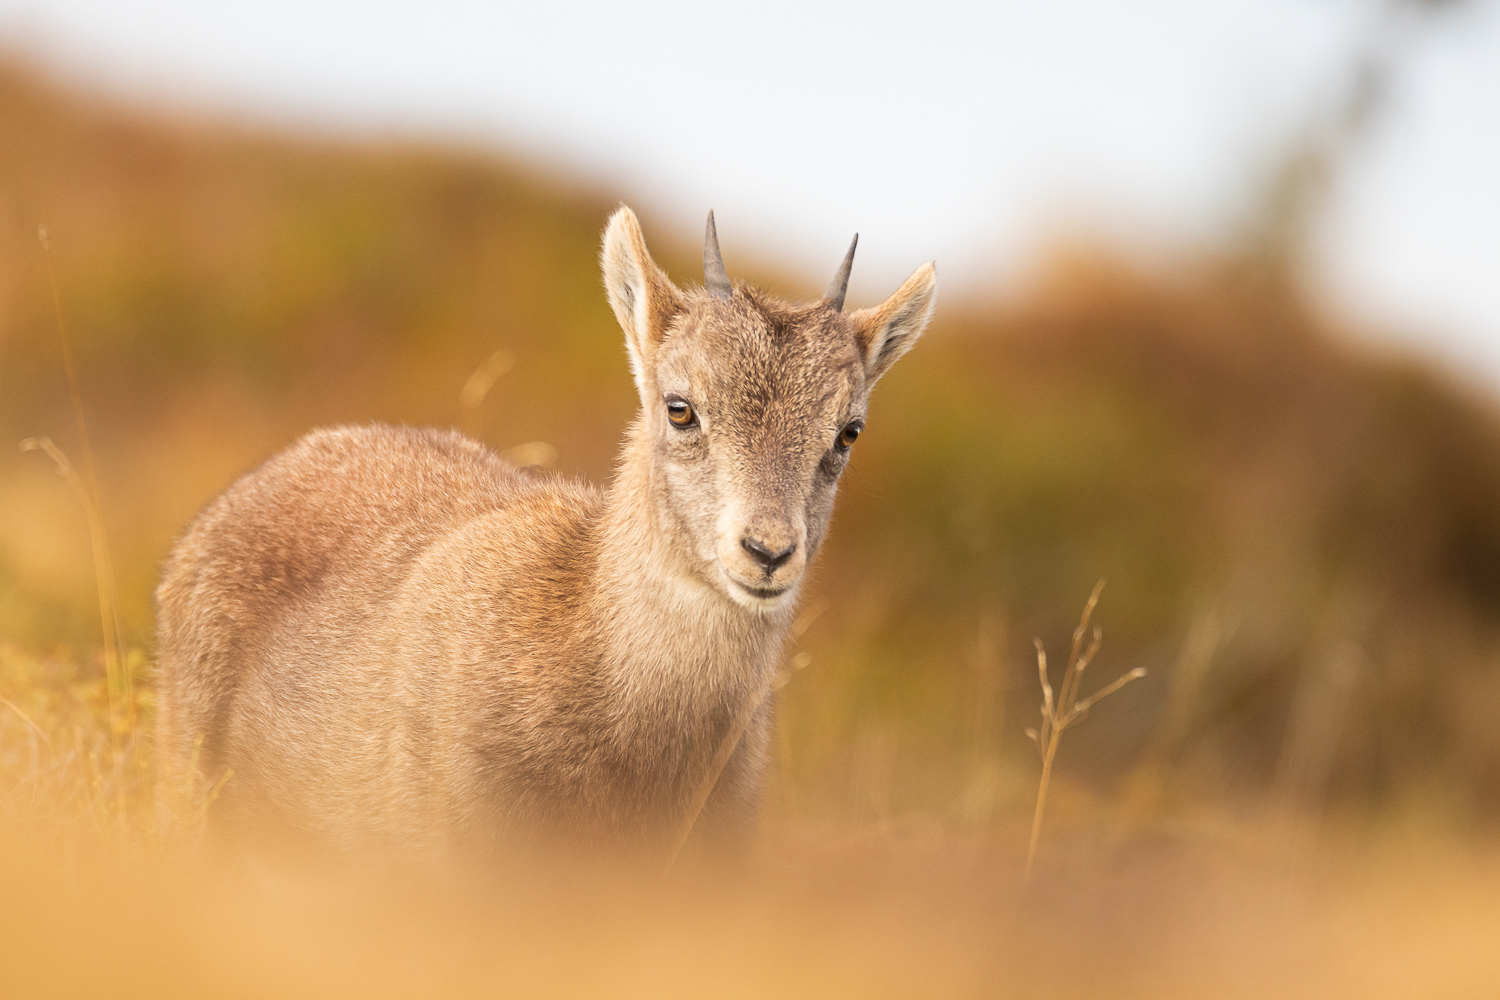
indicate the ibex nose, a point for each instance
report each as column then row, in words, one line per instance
column 770, row 560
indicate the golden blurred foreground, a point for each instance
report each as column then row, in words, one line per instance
column 1115, row 910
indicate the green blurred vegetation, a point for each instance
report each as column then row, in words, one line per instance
column 1301, row 534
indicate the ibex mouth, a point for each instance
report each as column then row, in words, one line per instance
column 763, row 593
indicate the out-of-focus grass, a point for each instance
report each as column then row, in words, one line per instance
column 66, row 764
column 1166, row 914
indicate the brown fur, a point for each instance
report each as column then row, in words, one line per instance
column 396, row 640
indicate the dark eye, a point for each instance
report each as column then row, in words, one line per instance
column 680, row 412
column 848, row 434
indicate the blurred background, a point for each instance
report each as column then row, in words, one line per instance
column 1220, row 323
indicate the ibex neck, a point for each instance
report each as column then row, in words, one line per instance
column 673, row 636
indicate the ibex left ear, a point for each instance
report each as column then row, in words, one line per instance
column 887, row 331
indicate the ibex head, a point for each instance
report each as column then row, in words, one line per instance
column 749, row 406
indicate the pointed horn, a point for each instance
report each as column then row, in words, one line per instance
column 715, row 278
column 840, row 284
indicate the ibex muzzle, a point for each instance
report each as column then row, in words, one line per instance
column 394, row 639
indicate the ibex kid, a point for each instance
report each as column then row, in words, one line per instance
column 398, row 641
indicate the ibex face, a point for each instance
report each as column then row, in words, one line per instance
column 749, row 407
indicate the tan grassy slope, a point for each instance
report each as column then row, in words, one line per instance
column 1198, row 439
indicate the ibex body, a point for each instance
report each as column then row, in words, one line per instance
column 393, row 638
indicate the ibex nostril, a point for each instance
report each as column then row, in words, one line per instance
column 770, row 560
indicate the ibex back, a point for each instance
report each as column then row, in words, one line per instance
column 397, row 640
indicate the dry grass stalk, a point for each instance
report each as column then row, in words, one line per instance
column 1310, row 749
column 118, row 683
column 1206, row 638
column 1065, row 709
column 111, row 789
column 7, row 703
column 737, row 730
column 121, row 695
column 721, row 758
column 189, row 801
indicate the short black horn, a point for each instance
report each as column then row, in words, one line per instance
column 840, row 284
column 715, row 278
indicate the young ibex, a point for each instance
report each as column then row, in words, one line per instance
column 394, row 639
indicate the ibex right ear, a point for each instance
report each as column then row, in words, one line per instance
column 643, row 298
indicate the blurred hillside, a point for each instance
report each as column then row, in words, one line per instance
column 1301, row 536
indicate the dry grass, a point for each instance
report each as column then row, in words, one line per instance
column 122, row 702
column 1061, row 712
column 823, row 913
column 114, row 780
column 736, row 732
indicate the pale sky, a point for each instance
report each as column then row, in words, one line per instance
column 970, row 133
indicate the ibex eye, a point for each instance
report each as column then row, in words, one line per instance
column 680, row 412
column 849, row 433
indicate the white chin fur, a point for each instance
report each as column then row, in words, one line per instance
column 745, row 599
